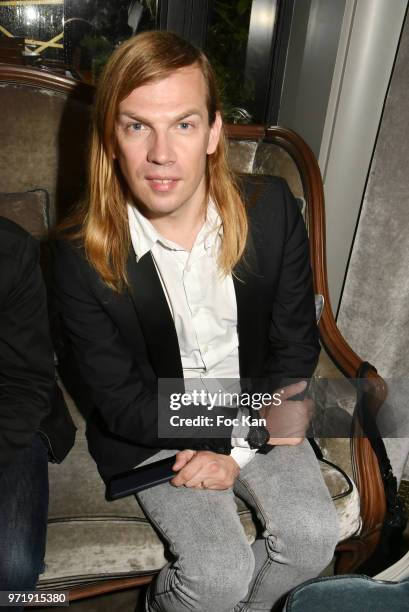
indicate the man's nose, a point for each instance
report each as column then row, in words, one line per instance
column 160, row 149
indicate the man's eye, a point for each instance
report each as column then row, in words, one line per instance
column 136, row 127
column 184, row 125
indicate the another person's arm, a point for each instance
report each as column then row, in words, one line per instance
column 26, row 354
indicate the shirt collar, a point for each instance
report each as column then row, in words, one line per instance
column 144, row 236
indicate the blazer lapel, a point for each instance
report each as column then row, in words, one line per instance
column 154, row 316
column 246, row 279
column 157, row 323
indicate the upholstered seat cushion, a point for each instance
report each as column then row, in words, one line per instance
column 90, row 539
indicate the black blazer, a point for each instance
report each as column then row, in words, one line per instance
column 122, row 343
column 29, row 398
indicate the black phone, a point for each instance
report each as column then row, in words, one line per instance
column 140, row 478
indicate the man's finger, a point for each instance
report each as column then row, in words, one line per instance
column 187, row 472
column 182, row 458
column 195, row 482
column 217, row 485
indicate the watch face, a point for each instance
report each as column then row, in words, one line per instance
column 258, row 436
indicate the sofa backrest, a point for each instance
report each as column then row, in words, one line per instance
column 44, row 127
column 44, row 123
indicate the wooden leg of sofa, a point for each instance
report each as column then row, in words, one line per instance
column 353, row 552
column 108, row 586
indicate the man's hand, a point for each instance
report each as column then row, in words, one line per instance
column 204, row 470
column 288, row 422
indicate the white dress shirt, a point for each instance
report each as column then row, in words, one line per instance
column 203, row 305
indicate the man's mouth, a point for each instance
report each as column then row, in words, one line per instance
column 162, row 184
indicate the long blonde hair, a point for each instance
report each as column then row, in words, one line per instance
column 102, row 216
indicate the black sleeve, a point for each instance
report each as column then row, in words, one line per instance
column 293, row 336
column 126, row 405
column 26, row 355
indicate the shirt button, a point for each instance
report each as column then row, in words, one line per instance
column 205, row 348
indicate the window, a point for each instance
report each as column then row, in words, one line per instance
column 246, row 40
column 93, row 28
column 38, row 24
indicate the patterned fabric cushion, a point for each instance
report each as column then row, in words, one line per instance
column 265, row 158
column 43, row 143
column 319, row 306
column 29, row 209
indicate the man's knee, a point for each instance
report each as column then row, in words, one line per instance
column 216, row 582
column 228, row 578
column 309, row 543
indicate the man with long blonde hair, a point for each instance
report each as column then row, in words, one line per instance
column 169, row 271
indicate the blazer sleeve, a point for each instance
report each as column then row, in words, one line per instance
column 293, row 335
column 127, row 406
column 26, row 354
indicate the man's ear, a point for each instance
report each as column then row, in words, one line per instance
column 214, row 135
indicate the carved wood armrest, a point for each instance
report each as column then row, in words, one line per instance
column 365, row 464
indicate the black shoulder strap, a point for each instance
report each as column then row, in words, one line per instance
column 368, row 421
column 396, row 519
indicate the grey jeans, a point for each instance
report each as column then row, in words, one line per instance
column 213, row 567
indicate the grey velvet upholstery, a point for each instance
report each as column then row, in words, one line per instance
column 89, row 539
column 377, row 281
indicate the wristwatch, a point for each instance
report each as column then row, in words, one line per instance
column 258, row 437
